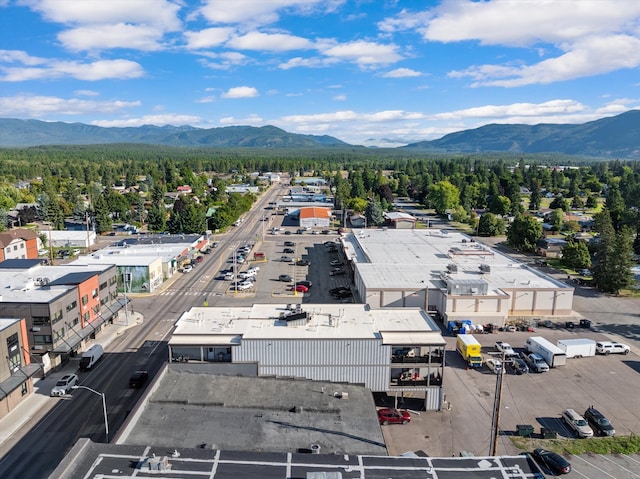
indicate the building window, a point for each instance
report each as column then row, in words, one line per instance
column 94, row 293
column 21, row 245
column 24, row 389
column 40, row 320
column 58, row 335
column 86, row 316
column 85, row 299
column 103, row 286
column 41, row 339
column 72, row 306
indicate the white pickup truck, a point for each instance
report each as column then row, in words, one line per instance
column 506, row 349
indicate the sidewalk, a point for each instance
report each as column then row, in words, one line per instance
column 34, row 407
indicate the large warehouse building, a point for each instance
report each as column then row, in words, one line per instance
column 452, row 275
column 394, row 350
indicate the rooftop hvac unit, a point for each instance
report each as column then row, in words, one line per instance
column 452, row 268
column 485, row 268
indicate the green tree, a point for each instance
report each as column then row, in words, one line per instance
column 524, row 233
column 559, row 202
column 614, row 256
column 443, row 196
column 103, row 218
column 358, row 205
column 499, row 205
column 536, row 195
column 555, row 219
column 491, row 225
column 374, row 213
column 575, row 255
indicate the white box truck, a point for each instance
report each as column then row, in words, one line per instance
column 578, row 348
column 552, row 354
column 90, row 357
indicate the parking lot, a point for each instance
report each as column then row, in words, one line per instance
column 314, row 258
column 609, row 383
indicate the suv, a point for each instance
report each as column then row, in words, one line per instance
column 609, row 347
column 289, row 243
column 64, row 385
column 576, row 422
column 535, row 362
column 600, row 424
column 285, row 277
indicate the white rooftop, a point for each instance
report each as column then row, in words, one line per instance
column 417, row 258
column 326, row 321
column 34, row 284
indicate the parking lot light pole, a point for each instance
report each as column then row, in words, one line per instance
column 104, row 408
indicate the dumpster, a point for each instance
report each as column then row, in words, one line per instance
column 524, row 430
column 547, row 433
column 585, row 323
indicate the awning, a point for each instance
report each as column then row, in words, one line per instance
column 412, row 338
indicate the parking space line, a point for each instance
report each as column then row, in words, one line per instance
column 594, row 466
column 634, row 474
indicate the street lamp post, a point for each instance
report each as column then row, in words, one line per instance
column 104, row 408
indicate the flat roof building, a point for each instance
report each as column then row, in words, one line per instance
column 450, row 274
column 393, row 350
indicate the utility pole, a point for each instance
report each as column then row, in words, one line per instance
column 497, row 405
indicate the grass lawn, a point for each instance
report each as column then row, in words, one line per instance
column 595, row 445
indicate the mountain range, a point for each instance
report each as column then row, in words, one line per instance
column 612, row 137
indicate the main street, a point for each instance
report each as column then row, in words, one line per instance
column 62, row 421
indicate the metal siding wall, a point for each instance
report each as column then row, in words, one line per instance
column 361, row 361
column 433, row 399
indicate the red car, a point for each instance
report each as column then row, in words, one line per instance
column 301, row 288
column 393, row 416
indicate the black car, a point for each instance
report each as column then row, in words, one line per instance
column 600, row 424
column 138, row 379
column 518, row 366
column 289, row 243
column 302, row 262
column 288, row 250
column 552, row 461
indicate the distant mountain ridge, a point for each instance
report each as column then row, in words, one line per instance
column 25, row 133
column 613, row 137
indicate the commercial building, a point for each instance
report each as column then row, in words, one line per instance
column 18, row 244
column 393, row 350
column 451, row 275
column 63, row 306
column 311, row 217
column 399, row 220
column 18, row 369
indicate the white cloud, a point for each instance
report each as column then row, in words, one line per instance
column 208, row 38
column 309, row 62
column 269, row 42
column 593, row 37
column 159, row 120
column 260, row 12
column 241, row 92
column 588, row 57
column 39, row 68
column 37, row 106
column 253, row 120
column 86, row 93
column 206, row 99
column 340, row 98
column 363, row 53
column 161, row 13
column 401, row 73
column 107, row 36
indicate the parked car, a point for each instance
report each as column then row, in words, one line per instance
column 337, row 272
column 303, row 262
column 214, row 244
column 494, row 365
column 600, row 424
column 326, row 232
column 611, row 347
column 506, row 349
column 535, row 362
column 552, row 460
column 301, row 288
column 393, row 416
column 285, row 277
column 253, row 269
column 336, row 262
column 308, row 284
column 288, row 250
column 229, row 276
column 577, row 423
column 518, row 366
column 138, row 378
column 187, row 269
column 286, row 259
column 289, row 243
column 64, row 385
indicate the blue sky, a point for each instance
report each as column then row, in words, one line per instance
column 371, row 72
